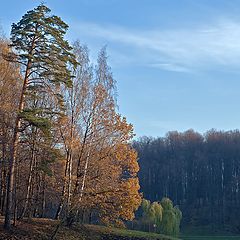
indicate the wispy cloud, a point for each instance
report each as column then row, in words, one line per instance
column 203, row 47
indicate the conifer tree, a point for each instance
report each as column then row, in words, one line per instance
column 44, row 57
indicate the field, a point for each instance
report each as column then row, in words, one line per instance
column 208, row 233
column 210, row 237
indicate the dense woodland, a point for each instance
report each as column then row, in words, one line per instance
column 200, row 173
column 64, row 148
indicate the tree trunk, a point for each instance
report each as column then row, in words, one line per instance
column 3, row 179
column 43, row 196
column 29, row 184
column 15, row 196
column 68, row 170
column 13, row 153
column 10, row 185
column 84, row 175
column 60, row 206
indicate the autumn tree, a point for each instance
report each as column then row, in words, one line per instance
column 107, row 157
column 74, row 128
column 95, row 141
column 115, row 196
column 10, row 84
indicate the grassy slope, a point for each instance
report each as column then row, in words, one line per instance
column 116, row 233
column 208, row 233
column 43, row 228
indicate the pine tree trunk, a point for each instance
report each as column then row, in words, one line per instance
column 15, row 196
column 13, row 153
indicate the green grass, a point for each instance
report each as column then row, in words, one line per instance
column 210, row 237
column 208, row 232
column 111, row 232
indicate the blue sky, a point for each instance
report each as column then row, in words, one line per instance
column 176, row 62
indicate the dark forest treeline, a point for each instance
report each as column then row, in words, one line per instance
column 198, row 172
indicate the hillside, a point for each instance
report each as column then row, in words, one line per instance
column 43, row 229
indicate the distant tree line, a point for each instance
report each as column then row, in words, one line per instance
column 200, row 173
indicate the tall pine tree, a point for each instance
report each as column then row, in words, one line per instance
column 45, row 58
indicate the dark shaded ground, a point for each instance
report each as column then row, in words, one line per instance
column 43, row 229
